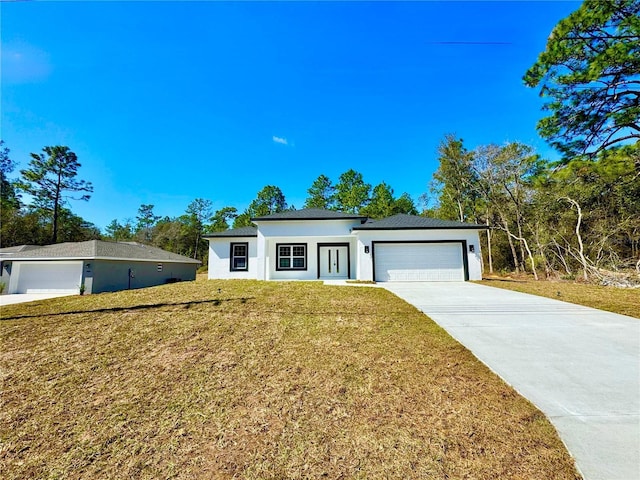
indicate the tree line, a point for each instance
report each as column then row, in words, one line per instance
column 184, row 234
column 50, row 182
column 570, row 218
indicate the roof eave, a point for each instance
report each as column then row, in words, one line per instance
column 479, row 227
column 266, row 219
column 88, row 257
column 209, row 237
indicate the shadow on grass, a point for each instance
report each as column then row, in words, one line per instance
column 215, row 302
column 506, row 280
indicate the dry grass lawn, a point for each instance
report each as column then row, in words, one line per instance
column 625, row 301
column 256, row 380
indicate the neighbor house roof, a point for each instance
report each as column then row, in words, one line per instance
column 16, row 249
column 236, row 232
column 101, row 250
column 402, row 221
column 311, row 214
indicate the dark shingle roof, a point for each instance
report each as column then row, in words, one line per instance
column 402, row 221
column 98, row 249
column 311, row 214
column 236, row 232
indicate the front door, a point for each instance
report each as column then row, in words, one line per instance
column 334, row 262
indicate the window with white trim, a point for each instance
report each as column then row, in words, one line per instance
column 291, row 256
column 239, row 256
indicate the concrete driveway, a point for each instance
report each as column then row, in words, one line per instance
column 579, row 365
column 29, row 297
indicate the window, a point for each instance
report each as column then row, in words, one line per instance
column 291, row 257
column 159, row 267
column 239, row 256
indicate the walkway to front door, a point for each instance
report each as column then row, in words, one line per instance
column 334, row 261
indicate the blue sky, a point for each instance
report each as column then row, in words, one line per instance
column 165, row 102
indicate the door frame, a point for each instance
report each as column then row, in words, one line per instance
column 336, row 244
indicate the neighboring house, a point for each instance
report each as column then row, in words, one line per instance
column 96, row 265
column 316, row 244
column 5, row 263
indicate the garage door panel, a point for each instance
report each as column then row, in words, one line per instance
column 52, row 277
column 419, row 262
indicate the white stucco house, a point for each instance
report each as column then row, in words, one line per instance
column 314, row 244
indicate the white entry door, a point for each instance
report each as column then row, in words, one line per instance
column 334, row 262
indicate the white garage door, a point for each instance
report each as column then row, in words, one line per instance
column 419, row 262
column 49, row 277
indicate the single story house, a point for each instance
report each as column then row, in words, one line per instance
column 313, row 244
column 96, row 265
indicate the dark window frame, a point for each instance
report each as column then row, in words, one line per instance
column 291, row 256
column 232, row 257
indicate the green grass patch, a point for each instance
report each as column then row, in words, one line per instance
column 625, row 301
column 256, row 380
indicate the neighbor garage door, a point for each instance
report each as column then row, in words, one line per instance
column 49, row 277
column 418, row 262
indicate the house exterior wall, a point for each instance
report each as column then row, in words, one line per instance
column 312, row 243
column 220, row 261
column 309, row 232
column 367, row 237
column 113, row 275
column 306, row 228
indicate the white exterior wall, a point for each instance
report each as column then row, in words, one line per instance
column 367, row 237
column 309, row 232
column 220, row 263
column 262, row 257
column 311, row 273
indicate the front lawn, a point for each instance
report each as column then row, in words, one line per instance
column 256, row 380
column 625, row 301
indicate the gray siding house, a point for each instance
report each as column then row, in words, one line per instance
column 95, row 265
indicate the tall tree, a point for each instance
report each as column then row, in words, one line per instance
column 352, row 193
column 49, row 176
column 198, row 212
column 598, row 200
column 9, row 201
column 381, row 203
column 384, row 204
column 269, row 200
column 220, row 219
column 321, row 194
column 119, row 232
column 504, row 174
column 76, row 229
column 173, row 235
column 404, row 204
column 590, row 72
column 8, row 195
column 454, row 180
column 146, row 221
column 243, row 220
